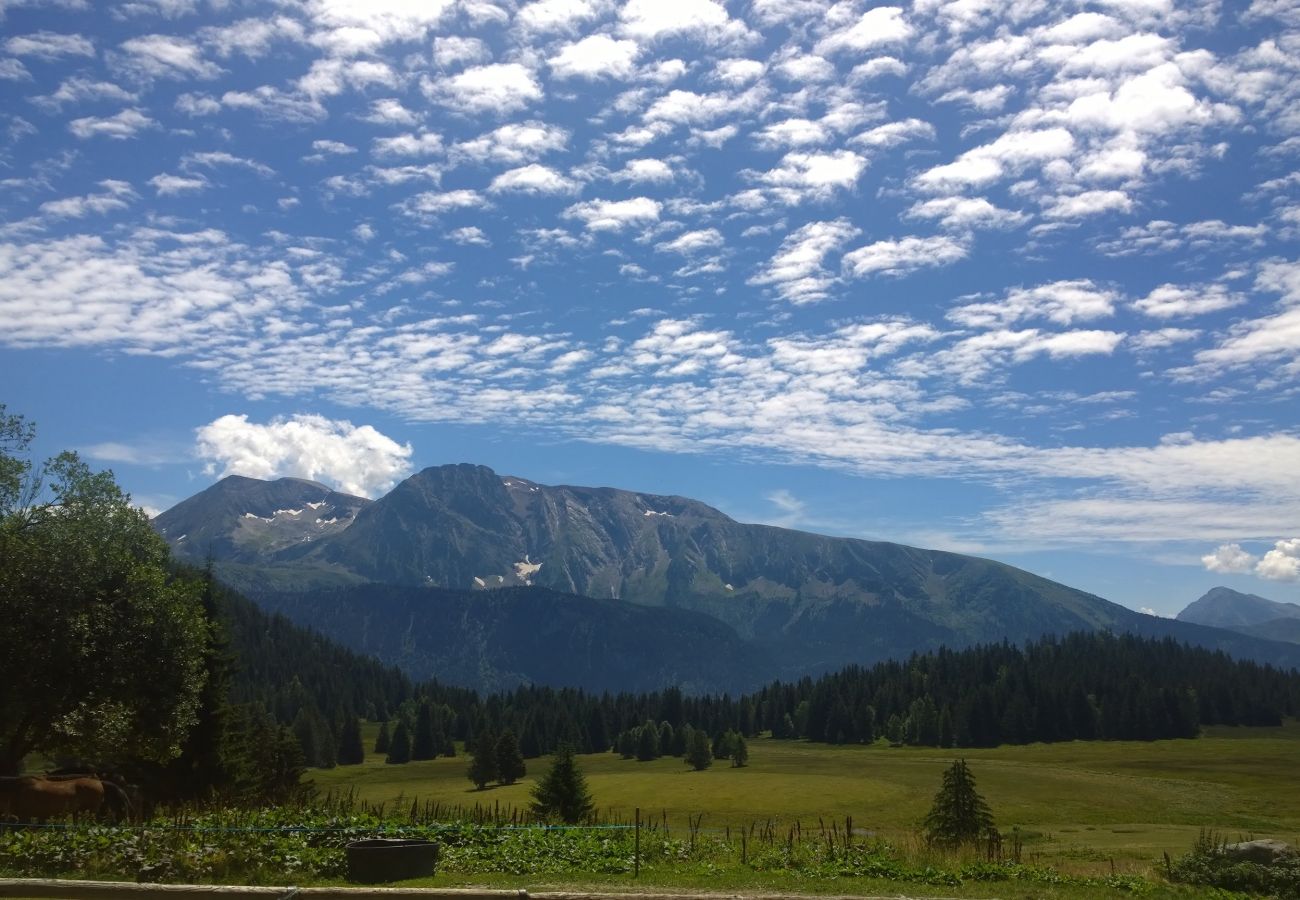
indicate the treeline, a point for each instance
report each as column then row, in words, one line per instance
column 1086, row 686
column 282, row 698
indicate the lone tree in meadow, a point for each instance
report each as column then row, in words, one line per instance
column 399, row 748
column 483, row 760
column 510, row 762
column 959, row 814
column 699, row 754
column 562, row 793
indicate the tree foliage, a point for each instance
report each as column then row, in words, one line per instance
column 483, row 760
column 562, row 793
column 699, row 753
column 104, row 649
column 510, row 762
column 959, row 815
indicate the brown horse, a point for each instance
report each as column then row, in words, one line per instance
column 30, row 797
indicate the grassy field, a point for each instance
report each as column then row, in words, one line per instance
column 1080, row 806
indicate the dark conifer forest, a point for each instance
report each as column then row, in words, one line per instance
column 1087, row 686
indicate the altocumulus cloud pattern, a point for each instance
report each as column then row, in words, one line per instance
column 1037, row 243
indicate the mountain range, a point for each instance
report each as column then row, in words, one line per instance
column 1222, row 607
column 777, row 602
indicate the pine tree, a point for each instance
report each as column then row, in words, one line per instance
column 647, row 742
column 510, row 762
column 959, row 815
column 399, row 748
column 562, row 793
column 425, row 743
column 699, row 755
column 351, row 751
column 483, row 760
column 382, row 740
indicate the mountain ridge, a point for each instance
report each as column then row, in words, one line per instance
column 809, row 601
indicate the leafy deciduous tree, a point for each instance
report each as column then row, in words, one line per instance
column 104, row 648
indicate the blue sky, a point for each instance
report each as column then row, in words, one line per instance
column 1011, row 278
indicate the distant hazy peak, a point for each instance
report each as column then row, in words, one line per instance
column 1222, row 607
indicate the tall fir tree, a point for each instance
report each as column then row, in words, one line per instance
column 562, row 793
column 399, row 747
column 959, row 815
column 352, row 752
column 424, row 745
column 483, row 760
column 510, row 762
column 383, row 739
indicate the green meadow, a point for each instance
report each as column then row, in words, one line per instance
column 1081, row 807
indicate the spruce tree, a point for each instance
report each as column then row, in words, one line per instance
column 959, row 815
column 510, row 762
column 399, row 748
column 382, row 740
column 562, row 793
column 425, row 743
column 647, row 742
column 352, row 751
column 483, row 760
column 699, row 754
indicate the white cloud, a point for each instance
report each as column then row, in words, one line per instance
column 653, row 171
column 532, row 179
column 706, row 239
column 126, row 124
column 513, row 144
column 78, row 90
column 274, row 104
column 877, row 26
column 651, row 20
column 427, row 144
column 173, row 185
column 49, row 45
column 615, row 215
column 737, row 72
column 801, row 177
column 452, row 51
column 435, row 203
column 1282, row 563
column 961, row 213
column 596, row 56
column 797, row 270
column 544, row 16
column 1170, row 301
column 354, row 459
column 354, row 24
column 1229, row 559
column 211, row 159
column 117, row 195
column 498, row 88
column 470, row 235
column 1162, row 338
column 389, row 111
column 904, row 255
column 333, row 148
column 1088, row 203
column 1063, row 302
column 162, row 56
column 13, row 70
